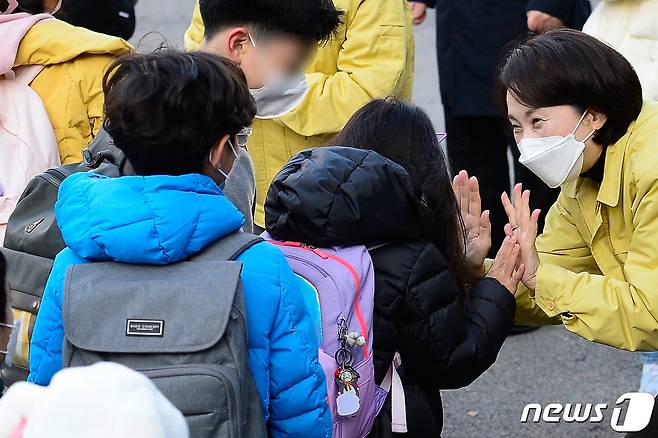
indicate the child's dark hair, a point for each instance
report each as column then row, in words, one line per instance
column 404, row 133
column 166, row 110
column 3, row 292
column 315, row 20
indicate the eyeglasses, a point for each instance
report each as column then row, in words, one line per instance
column 242, row 137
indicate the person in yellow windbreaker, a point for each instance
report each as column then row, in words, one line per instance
column 371, row 55
column 576, row 108
column 74, row 61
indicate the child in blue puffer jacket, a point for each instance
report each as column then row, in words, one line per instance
column 177, row 117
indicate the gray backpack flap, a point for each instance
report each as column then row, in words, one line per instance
column 182, row 325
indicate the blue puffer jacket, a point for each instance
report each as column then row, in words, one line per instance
column 164, row 219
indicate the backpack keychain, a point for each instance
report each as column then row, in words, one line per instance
column 346, row 377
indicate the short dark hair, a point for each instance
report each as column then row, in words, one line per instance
column 166, row 110
column 3, row 292
column 569, row 67
column 313, row 19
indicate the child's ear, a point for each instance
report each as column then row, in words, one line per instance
column 217, row 151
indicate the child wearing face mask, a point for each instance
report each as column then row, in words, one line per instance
column 178, row 118
column 367, row 51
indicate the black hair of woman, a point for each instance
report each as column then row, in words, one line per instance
column 547, row 70
column 404, row 133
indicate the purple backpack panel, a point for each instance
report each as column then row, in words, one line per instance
column 344, row 280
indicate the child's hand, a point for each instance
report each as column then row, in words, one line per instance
column 476, row 222
column 503, row 268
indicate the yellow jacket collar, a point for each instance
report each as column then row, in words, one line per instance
column 611, row 184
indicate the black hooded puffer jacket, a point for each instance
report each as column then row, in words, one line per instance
column 344, row 196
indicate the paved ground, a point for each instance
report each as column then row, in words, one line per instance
column 549, row 365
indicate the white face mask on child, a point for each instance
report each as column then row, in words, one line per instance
column 219, row 169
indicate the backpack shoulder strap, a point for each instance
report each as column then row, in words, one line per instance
column 228, row 248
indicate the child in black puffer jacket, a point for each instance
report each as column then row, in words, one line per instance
column 433, row 304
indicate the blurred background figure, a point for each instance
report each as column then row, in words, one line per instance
column 105, row 400
column 112, row 17
column 470, row 40
column 631, row 27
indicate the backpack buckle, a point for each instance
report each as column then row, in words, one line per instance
column 92, row 160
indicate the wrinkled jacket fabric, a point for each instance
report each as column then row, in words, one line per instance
column 160, row 220
column 70, row 84
column 345, row 196
column 599, row 250
column 371, row 56
column 631, row 27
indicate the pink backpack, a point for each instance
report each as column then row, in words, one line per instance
column 27, row 141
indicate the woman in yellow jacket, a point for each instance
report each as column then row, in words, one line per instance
column 371, row 56
column 70, row 85
column 576, row 108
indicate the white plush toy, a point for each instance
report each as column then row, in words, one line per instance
column 105, row 400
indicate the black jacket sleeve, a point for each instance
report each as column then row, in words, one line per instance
column 445, row 341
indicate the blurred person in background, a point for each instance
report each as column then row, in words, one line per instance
column 272, row 42
column 631, row 27
column 73, row 61
column 470, row 39
column 370, row 55
column 112, row 17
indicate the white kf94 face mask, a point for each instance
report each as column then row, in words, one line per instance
column 555, row 160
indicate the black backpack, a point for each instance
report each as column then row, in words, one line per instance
column 33, row 239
